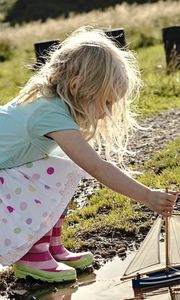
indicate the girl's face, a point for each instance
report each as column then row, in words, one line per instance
column 99, row 111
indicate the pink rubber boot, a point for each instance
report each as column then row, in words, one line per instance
column 61, row 254
column 39, row 264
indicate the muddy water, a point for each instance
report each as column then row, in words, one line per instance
column 105, row 284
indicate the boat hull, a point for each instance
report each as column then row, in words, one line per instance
column 157, row 279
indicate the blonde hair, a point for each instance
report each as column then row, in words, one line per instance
column 105, row 75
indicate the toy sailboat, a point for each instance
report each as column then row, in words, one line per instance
column 157, row 263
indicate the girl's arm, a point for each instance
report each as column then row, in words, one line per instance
column 73, row 144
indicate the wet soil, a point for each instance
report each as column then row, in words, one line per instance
column 106, row 243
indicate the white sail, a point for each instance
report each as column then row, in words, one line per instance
column 174, row 240
column 148, row 254
column 176, row 296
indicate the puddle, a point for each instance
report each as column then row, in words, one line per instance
column 105, row 284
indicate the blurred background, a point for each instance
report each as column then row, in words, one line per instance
column 25, row 23
column 14, row 11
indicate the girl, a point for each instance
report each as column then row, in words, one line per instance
column 83, row 93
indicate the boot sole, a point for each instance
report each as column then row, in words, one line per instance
column 22, row 271
column 81, row 264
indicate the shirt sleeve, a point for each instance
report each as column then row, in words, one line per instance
column 48, row 118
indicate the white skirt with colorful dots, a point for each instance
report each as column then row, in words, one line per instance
column 32, row 198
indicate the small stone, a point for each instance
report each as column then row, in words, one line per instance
column 106, row 245
column 104, row 254
column 96, row 265
column 3, row 285
column 97, row 256
column 121, row 251
column 131, row 246
column 112, row 252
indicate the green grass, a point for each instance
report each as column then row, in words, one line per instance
column 104, row 209
column 161, row 90
column 163, row 170
column 107, row 209
column 14, row 74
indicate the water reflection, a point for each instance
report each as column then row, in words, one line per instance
column 58, row 295
column 163, row 293
column 65, row 293
column 110, row 291
column 105, row 284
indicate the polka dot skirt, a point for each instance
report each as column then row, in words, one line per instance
column 32, row 198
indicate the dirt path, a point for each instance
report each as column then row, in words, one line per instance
column 164, row 128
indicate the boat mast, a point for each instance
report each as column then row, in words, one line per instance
column 167, row 243
column 167, row 240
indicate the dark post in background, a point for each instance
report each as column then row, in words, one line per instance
column 171, row 39
column 42, row 49
column 117, row 35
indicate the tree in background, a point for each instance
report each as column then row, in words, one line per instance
column 25, row 11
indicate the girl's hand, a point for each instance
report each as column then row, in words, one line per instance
column 162, row 202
